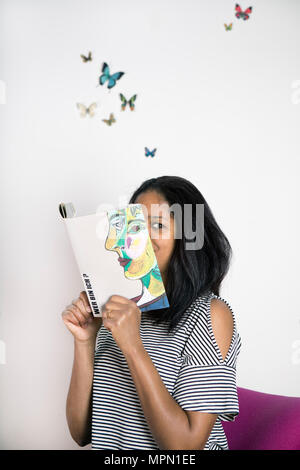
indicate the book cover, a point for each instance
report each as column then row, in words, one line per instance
column 114, row 254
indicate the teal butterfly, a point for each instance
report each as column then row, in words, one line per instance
column 112, row 79
column 125, row 102
column 149, row 153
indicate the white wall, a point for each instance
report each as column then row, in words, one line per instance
column 221, row 109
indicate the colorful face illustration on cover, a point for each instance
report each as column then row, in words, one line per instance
column 128, row 236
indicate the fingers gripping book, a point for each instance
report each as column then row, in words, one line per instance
column 114, row 254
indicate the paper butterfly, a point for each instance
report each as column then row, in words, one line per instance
column 86, row 110
column 112, row 79
column 110, row 120
column 228, row 27
column 242, row 14
column 148, row 152
column 125, row 102
column 84, row 58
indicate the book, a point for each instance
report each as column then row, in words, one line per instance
column 114, row 254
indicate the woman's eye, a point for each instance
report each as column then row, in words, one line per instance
column 158, row 223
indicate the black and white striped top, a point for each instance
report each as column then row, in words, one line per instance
column 189, row 363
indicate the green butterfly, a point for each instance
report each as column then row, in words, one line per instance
column 86, row 58
column 125, row 102
column 228, row 27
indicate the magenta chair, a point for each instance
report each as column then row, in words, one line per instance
column 265, row 422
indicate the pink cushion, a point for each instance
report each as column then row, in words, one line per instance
column 265, row 421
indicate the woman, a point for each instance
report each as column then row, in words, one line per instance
column 163, row 379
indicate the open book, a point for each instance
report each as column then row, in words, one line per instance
column 114, row 254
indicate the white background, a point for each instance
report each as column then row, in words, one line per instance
column 221, row 109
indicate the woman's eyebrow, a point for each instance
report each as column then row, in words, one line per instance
column 164, row 218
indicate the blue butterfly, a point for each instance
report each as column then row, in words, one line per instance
column 111, row 78
column 148, row 152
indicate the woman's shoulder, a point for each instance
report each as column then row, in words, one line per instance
column 212, row 310
column 213, row 319
column 212, row 304
column 208, row 306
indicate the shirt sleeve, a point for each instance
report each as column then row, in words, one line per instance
column 206, row 382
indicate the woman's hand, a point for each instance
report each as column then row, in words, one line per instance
column 123, row 322
column 79, row 319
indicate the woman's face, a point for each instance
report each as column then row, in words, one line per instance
column 128, row 236
column 160, row 225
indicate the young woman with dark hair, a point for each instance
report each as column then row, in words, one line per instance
column 161, row 379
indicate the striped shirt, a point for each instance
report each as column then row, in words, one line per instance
column 191, row 367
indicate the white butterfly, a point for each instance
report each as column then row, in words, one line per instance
column 84, row 110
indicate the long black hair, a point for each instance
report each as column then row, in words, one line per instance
column 190, row 273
